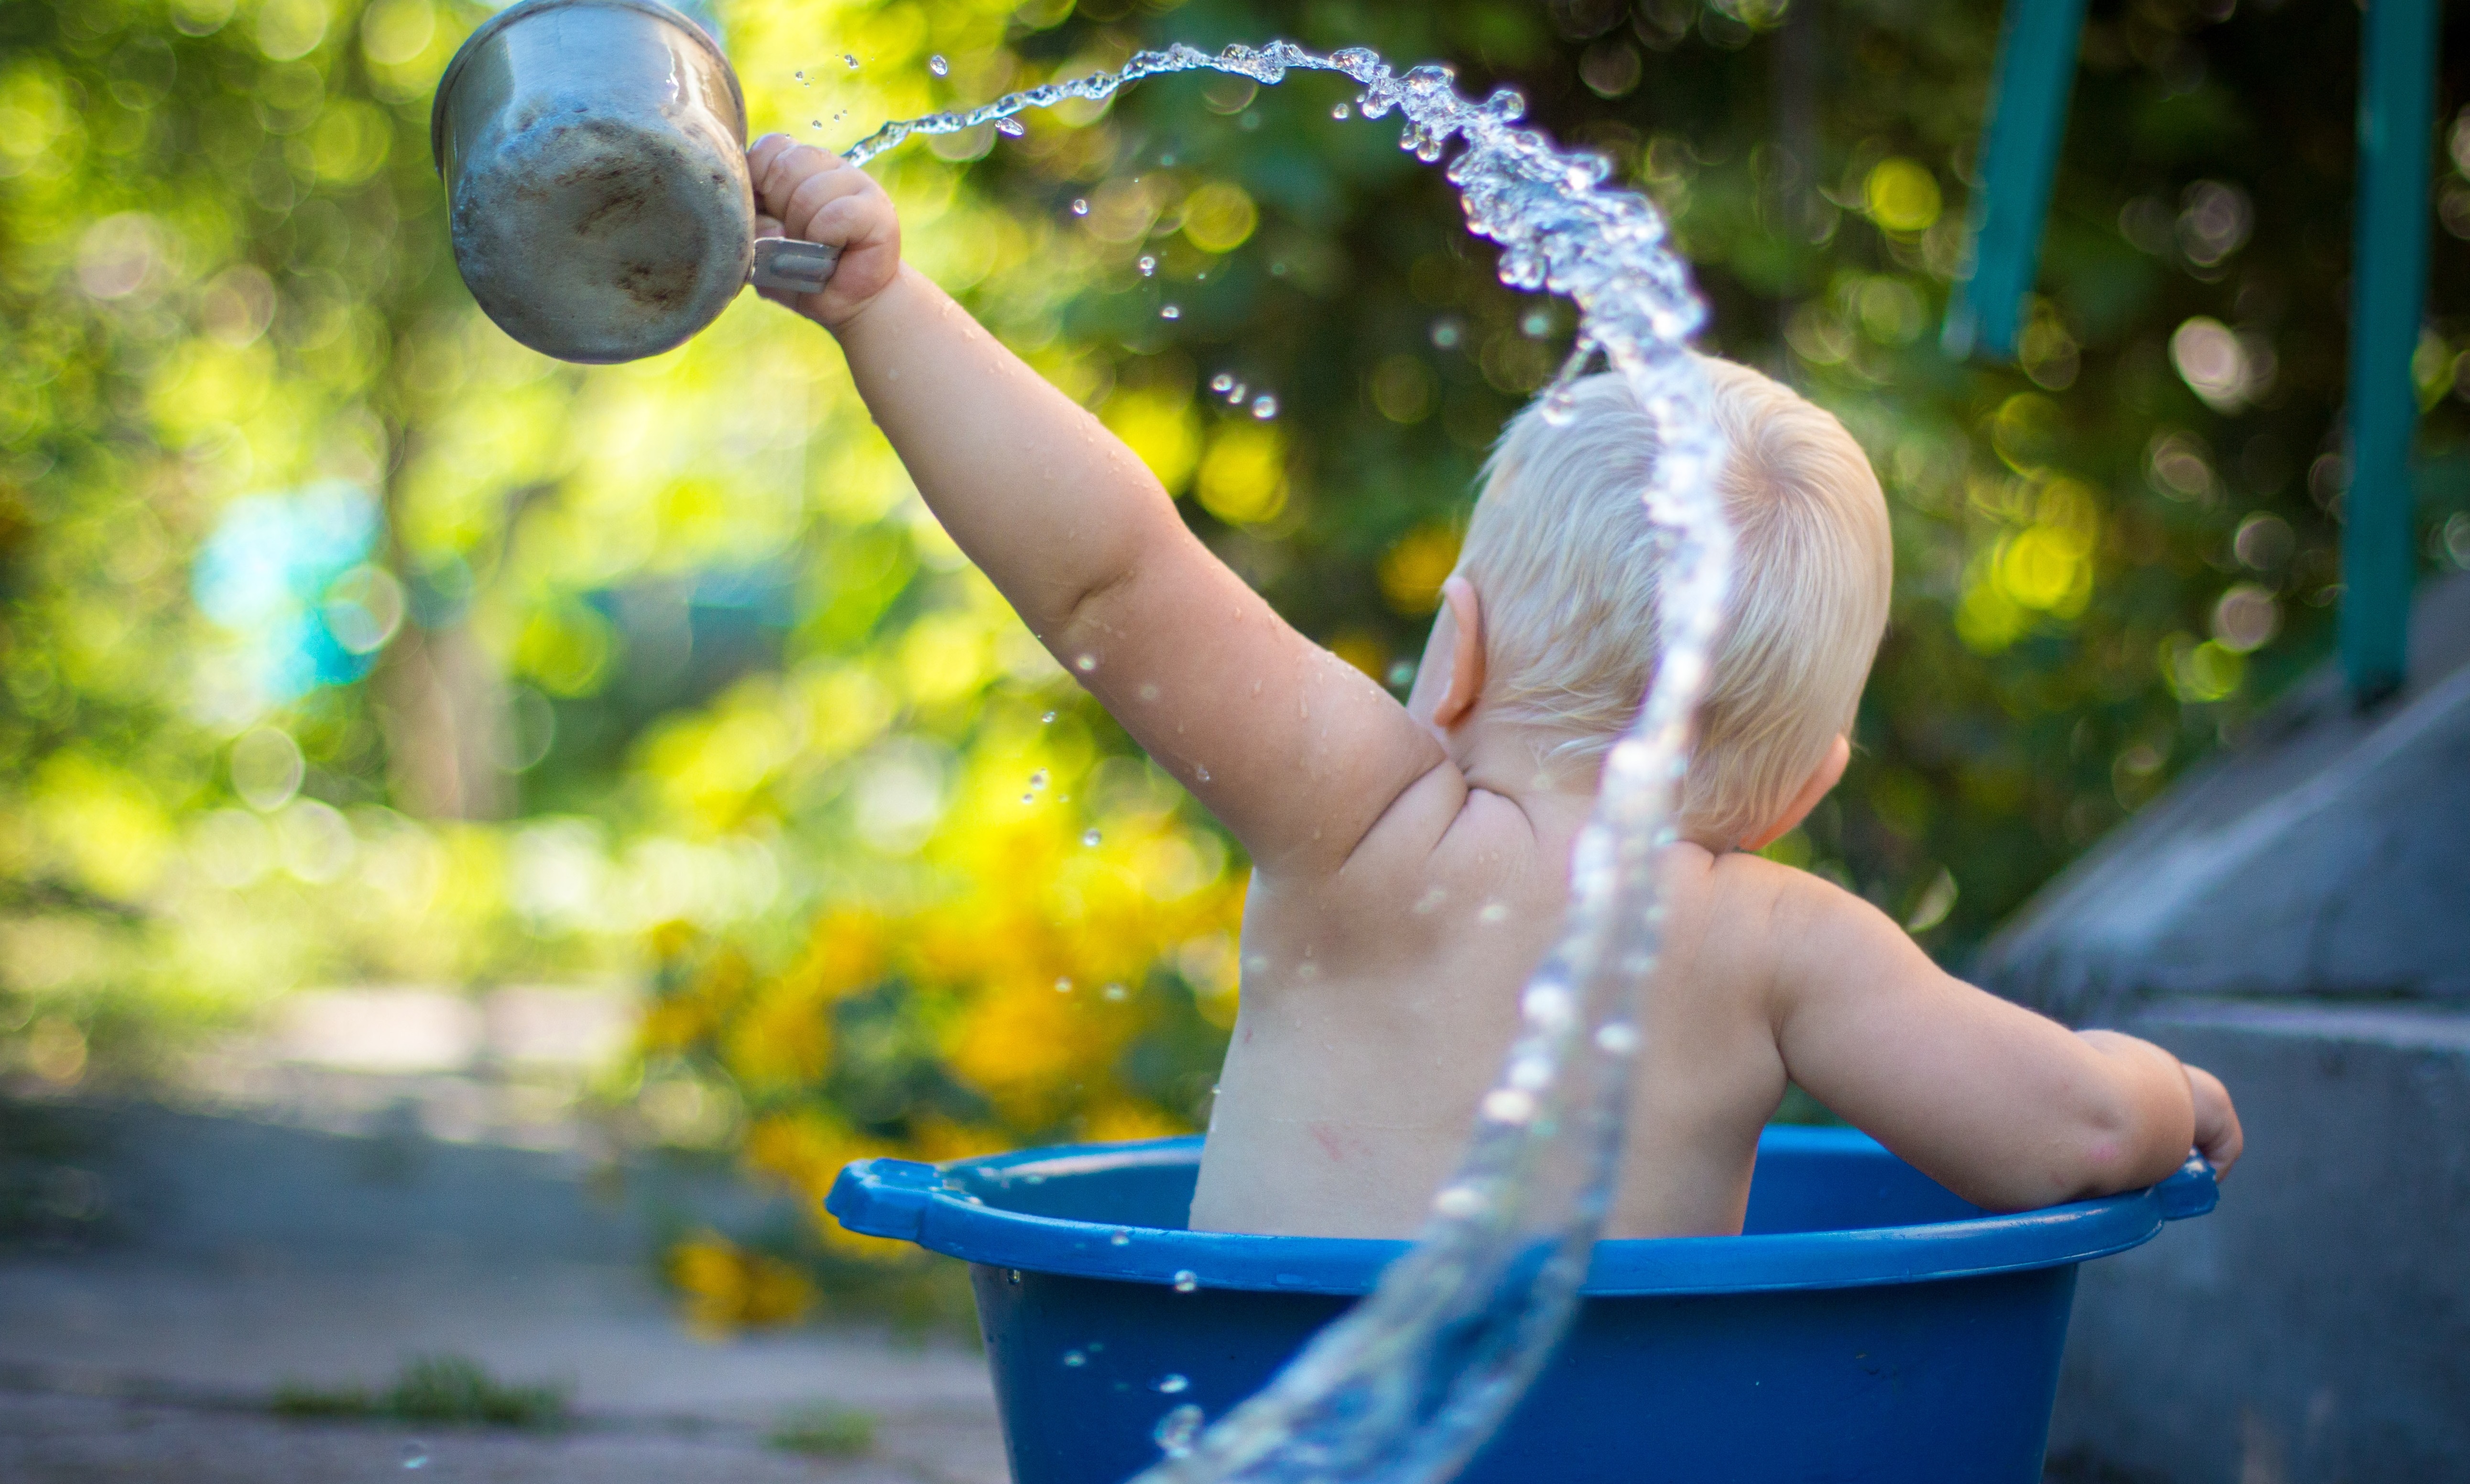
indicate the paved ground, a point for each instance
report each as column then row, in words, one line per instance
column 50, row 1439
column 242, row 1256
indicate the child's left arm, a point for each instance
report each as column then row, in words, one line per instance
column 1296, row 750
column 2005, row 1107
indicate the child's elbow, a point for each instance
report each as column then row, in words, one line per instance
column 2125, row 1142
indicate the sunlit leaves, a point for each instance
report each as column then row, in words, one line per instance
column 1243, row 477
column 1901, row 195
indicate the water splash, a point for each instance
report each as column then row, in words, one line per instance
column 1411, row 1382
column 1176, row 1431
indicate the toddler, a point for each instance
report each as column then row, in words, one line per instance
column 1410, row 862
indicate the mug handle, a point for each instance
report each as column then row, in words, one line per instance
column 784, row 265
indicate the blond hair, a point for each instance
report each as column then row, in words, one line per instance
column 1566, row 565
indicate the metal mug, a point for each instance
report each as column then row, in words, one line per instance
column 594, row 159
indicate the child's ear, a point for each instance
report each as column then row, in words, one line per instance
column 1464, row 615
column 1828, row 773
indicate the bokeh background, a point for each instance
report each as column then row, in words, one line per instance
column 343, row 643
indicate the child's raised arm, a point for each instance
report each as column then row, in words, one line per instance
column 2002, row 1106
column 1296, row 750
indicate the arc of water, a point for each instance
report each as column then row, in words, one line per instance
column 1407, row 1385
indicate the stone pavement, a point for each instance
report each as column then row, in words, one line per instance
column 248, row 1256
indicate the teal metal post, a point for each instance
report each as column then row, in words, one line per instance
column 2019, row 157
column 2387, row 289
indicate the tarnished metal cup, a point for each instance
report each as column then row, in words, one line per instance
column 594, row 159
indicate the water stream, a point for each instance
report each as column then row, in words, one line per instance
column 1407, row 1385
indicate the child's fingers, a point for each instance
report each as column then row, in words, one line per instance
column 760, row 154
column 779, row 165
column 820, row 190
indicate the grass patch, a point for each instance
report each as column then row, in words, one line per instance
column 450, row 1389
column 825, row 1432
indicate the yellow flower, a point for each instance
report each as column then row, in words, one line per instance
column 728, row 1287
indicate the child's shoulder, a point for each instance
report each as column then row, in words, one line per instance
column 1742, row 918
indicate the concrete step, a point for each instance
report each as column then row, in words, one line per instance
column 2316, row 1326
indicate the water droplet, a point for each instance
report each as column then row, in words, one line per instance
column 1173, row 1384
column 1170, row 311
column 1048, row 719
column 1063, row 986
column 415, row 1455
column 1446, row 333
column 1340, row 112
column 1079, row 206
column 1028, row 799
column 1075, row 1358
column 1265, row 407
column 1201, row 773
column 851, row 61
column 1221, row 382
column 842, row 114
column 801, row 77
column 1147, row 265
column 1547, row 1005
column 1010, row 128
column 1508, row 1106
column 1084, row 664
column 1402, row 674
column 939, row 67
column 1119, row 1238
column 1176, row 1430
column 1090, row 837
column 1012, row 1277
column 1038, row 779
column 1537, row 324
column 1115, row 992
column 1187, row 1282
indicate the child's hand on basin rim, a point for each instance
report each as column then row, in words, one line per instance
column 2217, row 1135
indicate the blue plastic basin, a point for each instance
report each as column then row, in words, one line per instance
column 1867, row 1326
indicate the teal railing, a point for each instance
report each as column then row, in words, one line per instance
column 2019, row 153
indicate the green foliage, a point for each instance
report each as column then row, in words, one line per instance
column 825, row 1431
column 448, row 1389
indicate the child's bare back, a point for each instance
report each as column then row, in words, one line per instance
column 1410, row 862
